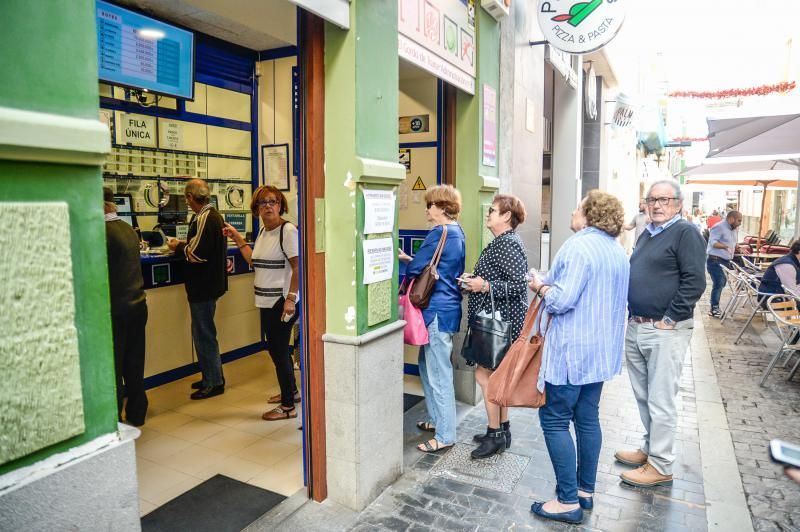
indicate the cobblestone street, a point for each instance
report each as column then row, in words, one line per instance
column 451, row 498
column 756, row 415
column 726, row 454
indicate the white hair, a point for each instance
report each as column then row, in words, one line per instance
column 671, row 182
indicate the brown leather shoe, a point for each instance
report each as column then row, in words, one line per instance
column 278, row 414
column 646, row 477
column 276, row 399
column 634, row 458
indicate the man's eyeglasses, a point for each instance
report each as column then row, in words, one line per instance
column 430, row 203
column 491, row 210
column 661, row 201
column 265, row 203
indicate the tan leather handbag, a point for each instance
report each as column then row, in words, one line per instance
column 421, row 290
column 514, row 381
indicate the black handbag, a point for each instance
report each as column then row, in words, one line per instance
column 487, row 340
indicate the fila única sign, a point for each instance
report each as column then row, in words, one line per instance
column 580, row 27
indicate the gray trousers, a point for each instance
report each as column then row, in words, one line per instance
column 655, row 360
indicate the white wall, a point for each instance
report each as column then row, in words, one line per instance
column 275, row 118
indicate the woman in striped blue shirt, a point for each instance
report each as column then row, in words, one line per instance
column 585, row 294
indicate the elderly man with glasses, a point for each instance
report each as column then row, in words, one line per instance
column 667, row 278
column 206, row 251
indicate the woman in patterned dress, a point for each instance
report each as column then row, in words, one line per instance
column 501, row 268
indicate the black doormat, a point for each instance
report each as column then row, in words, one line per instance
column 410, row 400
column 219, row 504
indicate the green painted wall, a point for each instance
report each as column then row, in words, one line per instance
column 361, row 99
column 469, row 135
column 48, row 56
column 58, row 74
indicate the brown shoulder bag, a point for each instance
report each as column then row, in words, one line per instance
column 421, row 290
column 514, row 381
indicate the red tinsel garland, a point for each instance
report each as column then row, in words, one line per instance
column 763, row 90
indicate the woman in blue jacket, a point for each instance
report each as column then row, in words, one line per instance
column 442, row 316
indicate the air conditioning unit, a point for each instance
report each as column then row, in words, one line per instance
column 496, row 8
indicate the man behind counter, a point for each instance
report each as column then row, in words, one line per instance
column 128, row 311
column 206, row 280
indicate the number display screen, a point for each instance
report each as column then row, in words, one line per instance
column 143, row 53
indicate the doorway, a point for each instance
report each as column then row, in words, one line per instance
column 256, row 112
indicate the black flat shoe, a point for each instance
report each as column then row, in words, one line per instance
column 574, row 517
column 208, row 391
column 494, row 443
column 199, row 384
column 587, row 503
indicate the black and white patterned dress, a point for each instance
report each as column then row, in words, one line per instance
column 503, row 264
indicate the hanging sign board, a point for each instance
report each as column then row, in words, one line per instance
column 378, row 211
column 439, row 36
column 580, row 27
column 378, row 260
column 590, row 99
column 170, row 134
column 136, row 130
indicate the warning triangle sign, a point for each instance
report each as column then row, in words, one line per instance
column 419, row 184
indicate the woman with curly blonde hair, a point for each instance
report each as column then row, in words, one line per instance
column 585, row 293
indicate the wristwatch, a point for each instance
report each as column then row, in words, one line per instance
column 668, row 321
column 291, row 296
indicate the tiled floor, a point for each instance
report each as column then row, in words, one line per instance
column 184, row 442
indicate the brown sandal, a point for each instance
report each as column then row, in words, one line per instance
column 276, row 399
column 279, row 413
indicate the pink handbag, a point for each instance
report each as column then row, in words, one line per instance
column 415, row 332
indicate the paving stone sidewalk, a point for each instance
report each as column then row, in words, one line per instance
column 757, row 414
column 451, row 492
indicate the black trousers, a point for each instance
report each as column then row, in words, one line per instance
column 276, row 334
column 128, row 330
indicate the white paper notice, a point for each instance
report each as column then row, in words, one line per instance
column 378, row 211
column 378, row 260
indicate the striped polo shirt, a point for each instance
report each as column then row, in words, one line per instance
column 273, row 273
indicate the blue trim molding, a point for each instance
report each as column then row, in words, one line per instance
column 190, row 369
column 277, row 53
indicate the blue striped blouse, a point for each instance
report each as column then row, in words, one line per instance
column 587, row 303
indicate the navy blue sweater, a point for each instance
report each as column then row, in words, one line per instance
column 668, row 273
column 446, row 296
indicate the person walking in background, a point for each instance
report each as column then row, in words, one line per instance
column 442, row 316
column 206, row 280
column 128, row 312
column 722, row 241
column 638, row 223
column 585, row 294
column 274, row 257
column 667, row 279
column 713, row 220
column 501, row 270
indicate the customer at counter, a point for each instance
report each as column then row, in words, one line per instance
column 128, row 312
column 206, row 281
column 274, row 257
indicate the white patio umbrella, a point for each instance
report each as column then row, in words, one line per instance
column 745, row 175
column 769, row 138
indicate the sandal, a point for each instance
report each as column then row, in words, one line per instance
column 278, row 414
column 276, row 399
column 428, row 448
column 426, row 426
